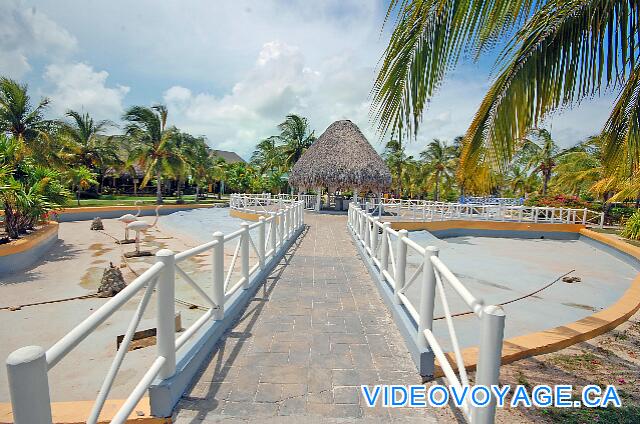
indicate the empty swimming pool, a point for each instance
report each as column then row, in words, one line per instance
column 501, row 270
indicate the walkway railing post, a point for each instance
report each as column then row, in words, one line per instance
column 294, row 217
column 601, row 219
column 373, row 237
column 367, row 231
column 29, row 385
column 427, row 297
column 401, row 263
column 281, row 227
column 584, row 216
column 489, row 358
column 218, row 275
column 262, row 229
column 273, row 233
column 363, row 225
column 384, row 248
column 166, row 313
column 301, row 215
column 244, row 253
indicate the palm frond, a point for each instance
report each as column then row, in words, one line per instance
column 427, row 42
column 567, row 51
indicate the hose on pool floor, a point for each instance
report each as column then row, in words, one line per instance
column 513, row 300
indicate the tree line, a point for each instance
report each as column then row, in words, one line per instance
column 45, row 162
column 540, row 171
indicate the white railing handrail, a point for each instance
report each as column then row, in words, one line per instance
column 27, row 372
column 69, row 341
column 389, row 247
column 265, row 203
column 428, row 210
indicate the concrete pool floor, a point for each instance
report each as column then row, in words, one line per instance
column 498, row 270
column 74, row 268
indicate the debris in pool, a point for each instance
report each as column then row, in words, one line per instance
column 112, row 282
column 571, row 279
column 96, row 224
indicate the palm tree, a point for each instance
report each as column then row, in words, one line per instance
column 413, row 178
column 26, row 123
column 218, row 172
column 85, row 140
column 80, row 178
column 440, row 160
column 240, row 176
column 200, row 162
column 578, row 171
column 27, row 191
column 185, row 150
column 154, row 146
column 560, row 52
column 296, row 138
column 268, row 155
column 396, row 159
column 541, row 155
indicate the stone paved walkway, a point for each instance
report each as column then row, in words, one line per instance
column 315, row 332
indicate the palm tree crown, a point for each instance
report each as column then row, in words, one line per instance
column 86, row 142
column 296, row 138
column 24, row 122
column 154, row 145
column 440, row 161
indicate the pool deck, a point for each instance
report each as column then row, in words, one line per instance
column 315, row 332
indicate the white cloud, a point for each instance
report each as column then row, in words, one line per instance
column 78, row 87
column 280, row 82
column 233, row 70
column 26, row 33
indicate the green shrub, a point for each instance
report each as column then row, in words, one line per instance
column 559, row 201
column 631, row 228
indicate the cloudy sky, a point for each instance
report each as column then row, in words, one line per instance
column 231, row 70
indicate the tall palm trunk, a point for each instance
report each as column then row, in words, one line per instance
column 159, row 186
column 437, row 192
column 546, row 177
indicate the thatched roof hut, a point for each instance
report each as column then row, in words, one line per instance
column 341, row 158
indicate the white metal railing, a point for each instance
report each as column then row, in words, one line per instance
column 308, row 199
column 265, row 202
column 388, row 250
column 28, row 367
column 505, row 201
column 426, row 210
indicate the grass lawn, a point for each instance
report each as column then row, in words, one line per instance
column 116, row 200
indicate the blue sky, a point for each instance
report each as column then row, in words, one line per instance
column 232, row 70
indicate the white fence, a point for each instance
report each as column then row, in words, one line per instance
column 267, row 203
column 505, row 201
column 28, row 367
column 387, row 249
column 425, row 210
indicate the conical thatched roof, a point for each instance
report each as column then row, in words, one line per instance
column 341, row 158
